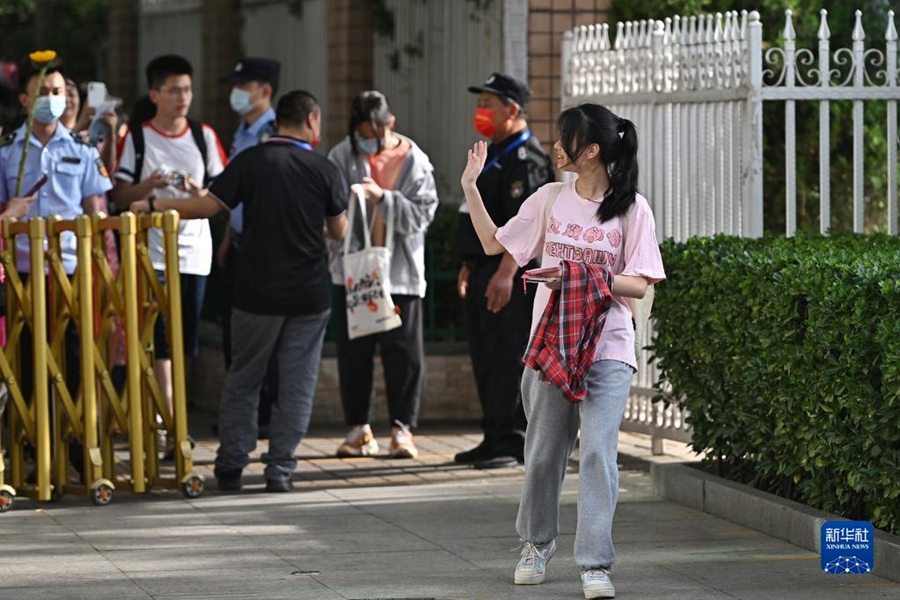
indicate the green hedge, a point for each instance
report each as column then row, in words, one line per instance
column 787, row 354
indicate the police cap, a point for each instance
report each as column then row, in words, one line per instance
column 504, row 85
column 255, row 69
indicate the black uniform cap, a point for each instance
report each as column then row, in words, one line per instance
column 255, row 69
column 504, row 85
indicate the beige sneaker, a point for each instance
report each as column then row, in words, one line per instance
column 402, row 445
column 359, row 442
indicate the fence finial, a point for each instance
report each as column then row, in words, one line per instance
column 717, row 32
column 858, row 33
column 891, row 35
column 824, row 32
column 677, row 35
column 789, row 33
column 620, row 35
column 728, row 27
column 692, row 30
column 604, row 37
column 737, row 30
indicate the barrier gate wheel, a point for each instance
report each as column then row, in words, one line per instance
column 101, row 494
column 6, row 500
column 192, row 486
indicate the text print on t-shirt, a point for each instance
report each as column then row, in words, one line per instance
column 591, row 235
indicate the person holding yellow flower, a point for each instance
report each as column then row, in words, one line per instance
column 76, row 179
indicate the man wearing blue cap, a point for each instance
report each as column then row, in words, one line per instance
column 255, row 83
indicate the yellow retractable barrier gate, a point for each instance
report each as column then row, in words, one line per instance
column 98, row 303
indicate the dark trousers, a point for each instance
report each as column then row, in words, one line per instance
column 269, row 391
column 497, row 342
column 402, row 355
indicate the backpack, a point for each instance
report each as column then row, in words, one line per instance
column 640, row 308
column 137, row 138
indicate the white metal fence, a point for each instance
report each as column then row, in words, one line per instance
column 695, row 88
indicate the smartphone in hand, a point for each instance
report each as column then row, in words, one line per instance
column 96, row 93
column 545, row 275
column 37, row 186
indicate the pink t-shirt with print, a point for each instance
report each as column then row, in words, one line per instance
column 574, row 233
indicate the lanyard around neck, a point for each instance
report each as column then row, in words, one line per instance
column 287, row 142
column 526, row 135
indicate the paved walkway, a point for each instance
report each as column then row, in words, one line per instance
column 375, row 528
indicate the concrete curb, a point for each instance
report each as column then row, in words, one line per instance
column 782, row 519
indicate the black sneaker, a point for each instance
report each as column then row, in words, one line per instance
column 476, row 453
column 496, row 461
column 279, row 485
column 228, row 481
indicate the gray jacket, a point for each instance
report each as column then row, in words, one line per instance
column 415, row 201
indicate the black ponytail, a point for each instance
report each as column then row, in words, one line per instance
column 589, row 123
column 368, row 107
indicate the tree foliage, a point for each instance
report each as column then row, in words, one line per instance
column 78, row 31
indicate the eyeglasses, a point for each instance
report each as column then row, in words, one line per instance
column 178, row 91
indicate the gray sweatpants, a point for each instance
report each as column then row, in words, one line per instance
column 297, row 343
column 553, row 424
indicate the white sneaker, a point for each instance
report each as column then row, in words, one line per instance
column 359, row 442
column 596, row 584
column 402, row 445
column 532, row 567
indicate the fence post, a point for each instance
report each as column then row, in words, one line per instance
column 566, row 59
column 790, row 128
column 752, row 152
column 891, row 46
column 824, row 126
column 92, row 458
column 129, row 230
column 37, row 231
column 183, row 457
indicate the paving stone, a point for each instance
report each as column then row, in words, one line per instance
column 376, row 528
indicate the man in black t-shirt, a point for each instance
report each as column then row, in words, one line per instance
column 498, row 310
column 281, row 302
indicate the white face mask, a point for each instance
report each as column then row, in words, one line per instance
column 370, row 145
column 240, row 101
column 49, row 108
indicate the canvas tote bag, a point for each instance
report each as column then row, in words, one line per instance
column 367, row 272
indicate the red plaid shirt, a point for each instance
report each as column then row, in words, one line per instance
column 564, row 343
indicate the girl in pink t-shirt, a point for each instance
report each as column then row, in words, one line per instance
column 578, row 221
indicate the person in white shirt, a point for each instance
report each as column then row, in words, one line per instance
column 171, row 142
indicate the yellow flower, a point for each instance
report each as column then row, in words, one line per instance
column 42, row 57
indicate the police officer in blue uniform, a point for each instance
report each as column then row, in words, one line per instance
column 76, row 182
column 255, row 82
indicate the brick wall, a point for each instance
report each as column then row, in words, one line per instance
column 123, row 50
column 349, row 63
column 221, row 48
column 547, row 21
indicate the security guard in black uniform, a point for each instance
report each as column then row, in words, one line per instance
column 498, row 310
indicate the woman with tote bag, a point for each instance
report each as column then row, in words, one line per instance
column 394, row 177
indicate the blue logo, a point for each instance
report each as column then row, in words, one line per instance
column 848, row 547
